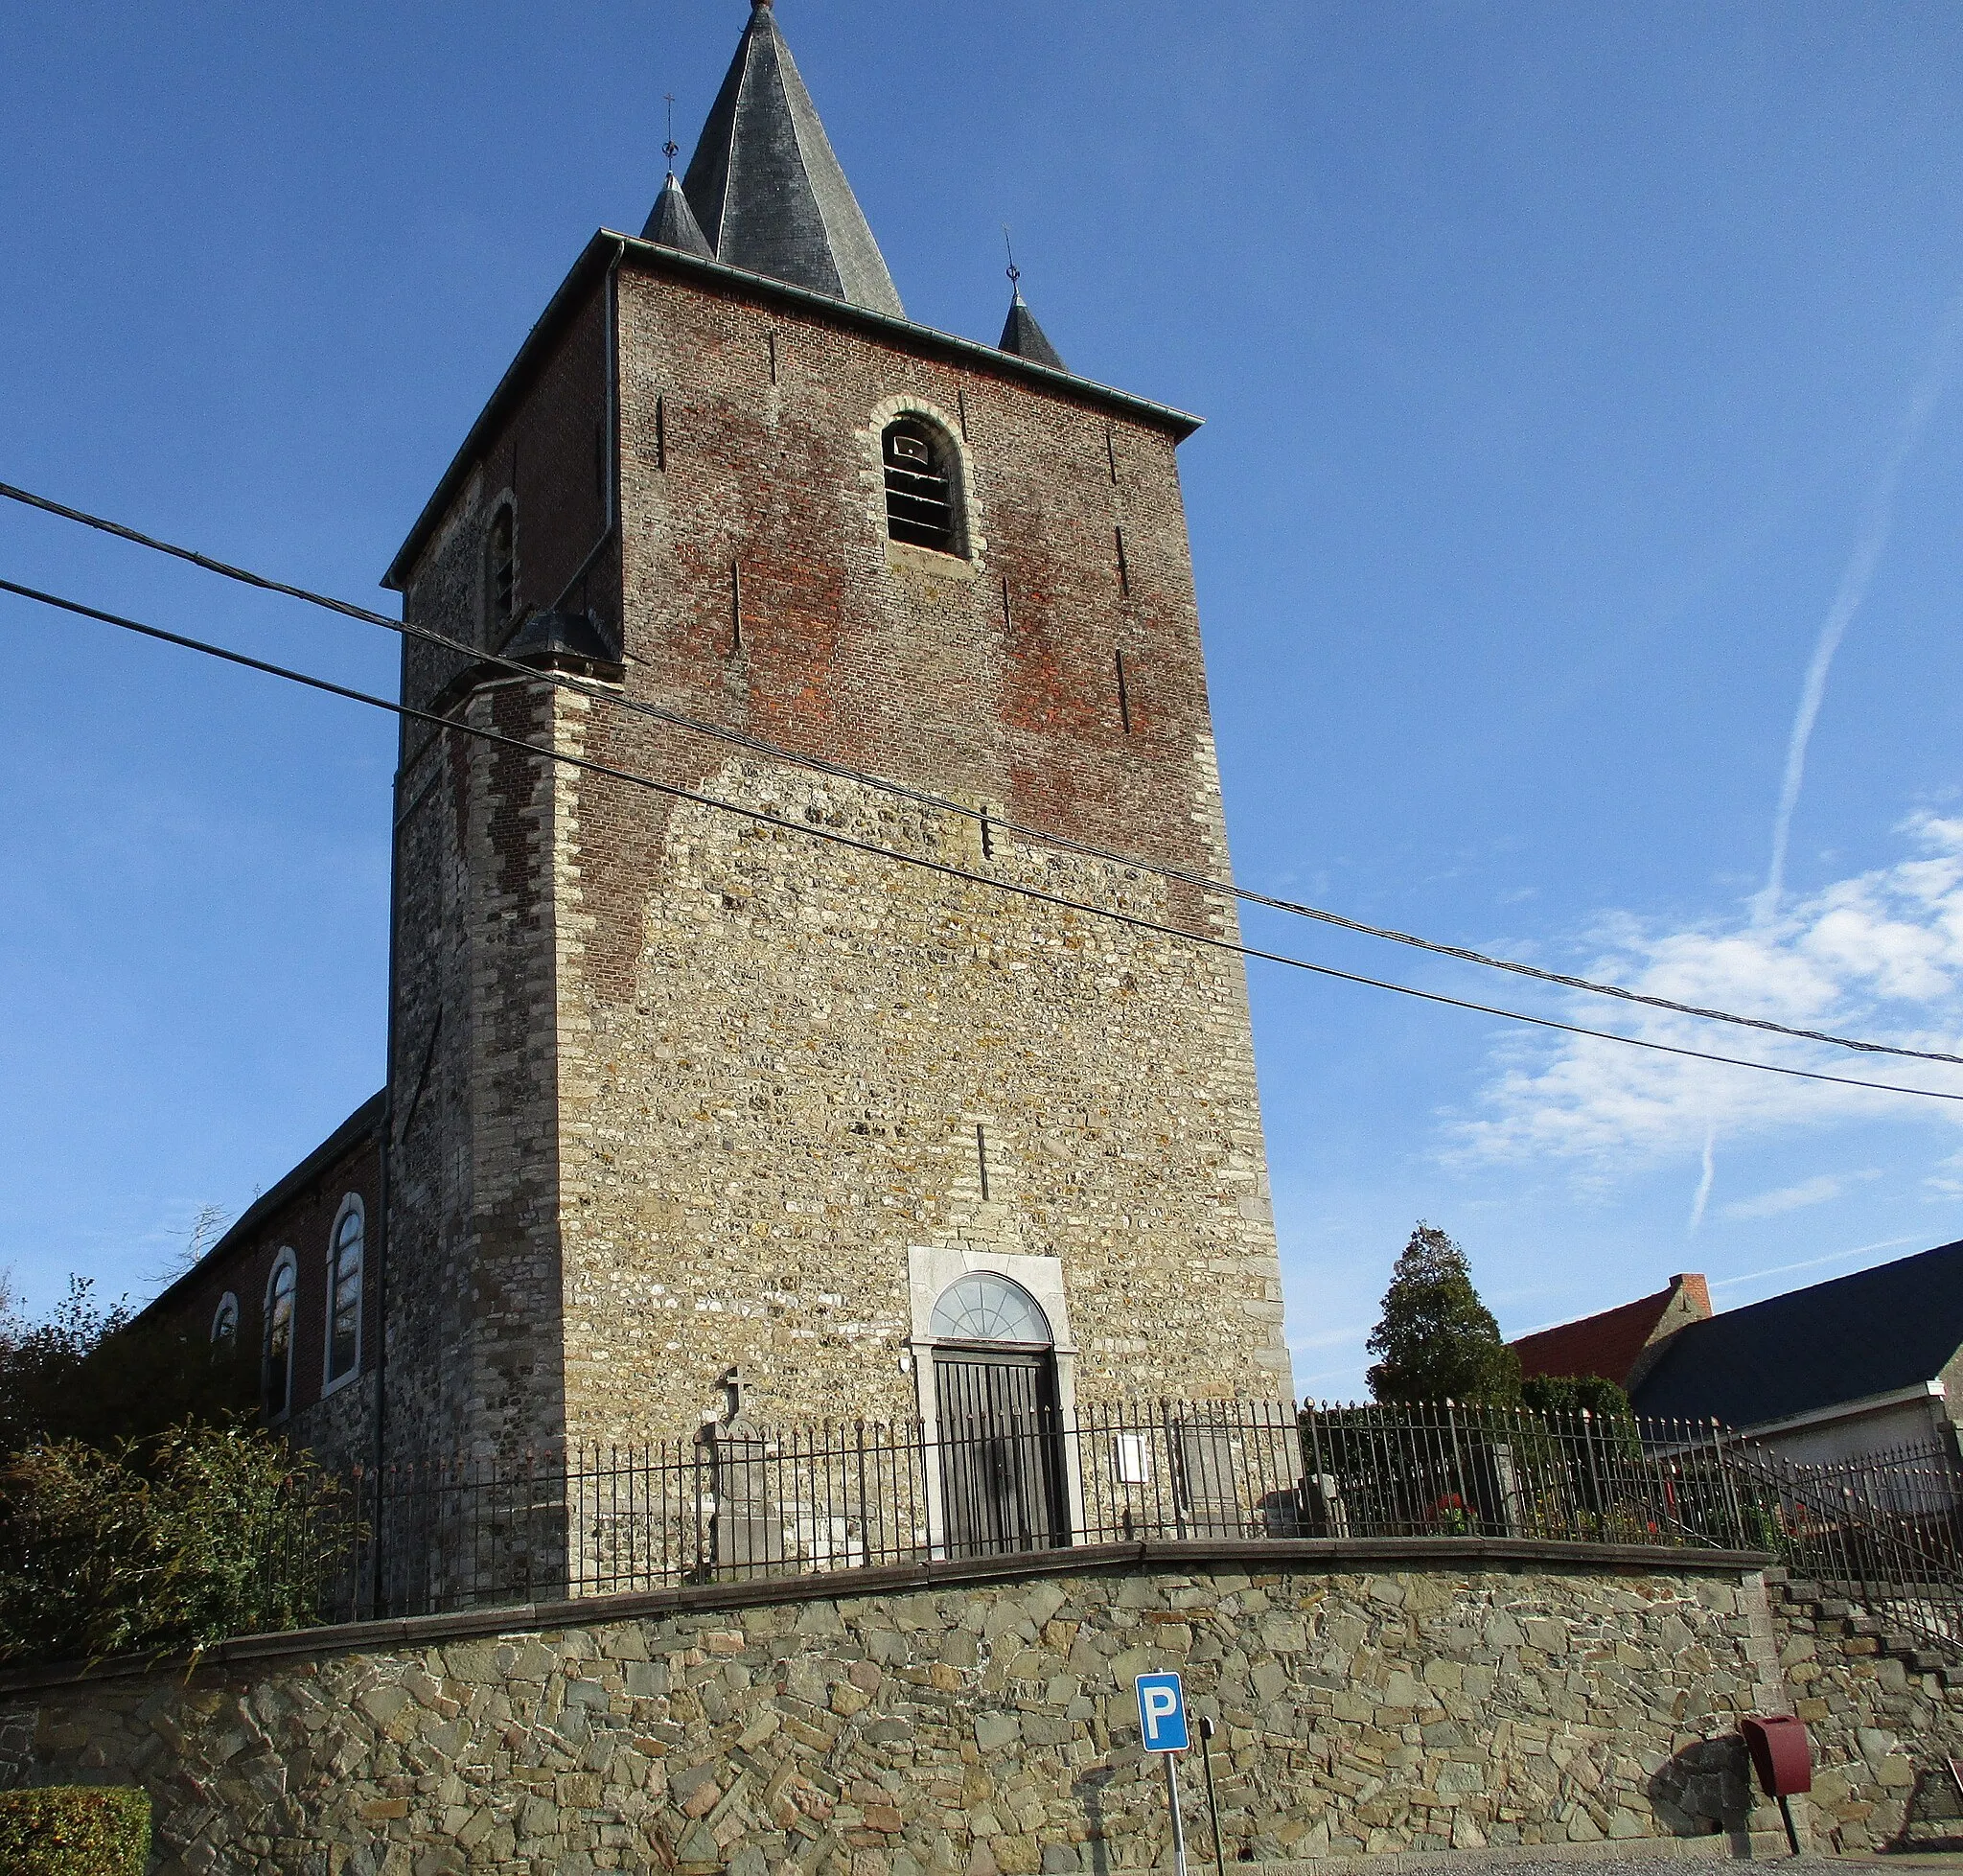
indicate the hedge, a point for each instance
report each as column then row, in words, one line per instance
column 74, row 1830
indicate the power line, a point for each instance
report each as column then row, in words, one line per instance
column 1043, row 837
column 945, row 869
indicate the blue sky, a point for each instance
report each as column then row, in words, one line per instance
column 1567, row 371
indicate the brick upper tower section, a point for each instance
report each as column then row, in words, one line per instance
column 678, row 1091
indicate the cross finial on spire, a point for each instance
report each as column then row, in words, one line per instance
column 671, row 148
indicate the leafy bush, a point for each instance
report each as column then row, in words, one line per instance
column 203, row 1533
column 1576, row 1394
column 102, row 1376
column 74, row 1830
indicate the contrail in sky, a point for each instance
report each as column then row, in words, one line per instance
column 1703, row 1197
column 1878, row 518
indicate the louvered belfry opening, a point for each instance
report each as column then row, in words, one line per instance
column 920, row 488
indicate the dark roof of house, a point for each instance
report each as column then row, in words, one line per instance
column 672, row 224
column 766, row 188
column 1606, row 1344
column 1026, row 338
column 607, row 249
column 1894, row 1326
column 359, row 1125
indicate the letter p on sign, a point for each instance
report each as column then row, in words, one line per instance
column 1162, row 1712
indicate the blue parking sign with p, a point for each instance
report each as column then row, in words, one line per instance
column 1162, row 1712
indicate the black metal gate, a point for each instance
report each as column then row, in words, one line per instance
column 1001, row 1451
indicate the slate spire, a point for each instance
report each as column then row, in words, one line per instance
column 1026, row 338
column 671, row 223
column 766, row 190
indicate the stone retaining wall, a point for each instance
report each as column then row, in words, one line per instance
column 1882, row 1729
column 981, row 1723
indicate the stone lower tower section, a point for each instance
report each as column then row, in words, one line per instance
column 679, row 1090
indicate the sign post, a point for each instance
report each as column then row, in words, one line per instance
column 1162, row 1726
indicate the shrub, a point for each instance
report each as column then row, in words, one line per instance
column 74, row 1830
column 205, row 1532
column 1576, row 1394
column 104, row 1375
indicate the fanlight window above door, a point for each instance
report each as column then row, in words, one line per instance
column 984, row 1308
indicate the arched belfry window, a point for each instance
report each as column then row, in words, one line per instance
column 982, row 1307
column 276, row 1365
column 921, row 485
column 500, row 574
column 344, row 1293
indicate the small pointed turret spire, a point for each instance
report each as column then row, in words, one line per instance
column 671, row 222
column 767, row 190
column 1020, row 334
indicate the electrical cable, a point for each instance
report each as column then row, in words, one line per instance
column 943, row 867
column 1039, row 836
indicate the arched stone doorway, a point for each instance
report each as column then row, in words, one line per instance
column 998, row 1420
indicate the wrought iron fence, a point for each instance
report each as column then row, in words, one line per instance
column 1884, row 1530
column 739, row 1500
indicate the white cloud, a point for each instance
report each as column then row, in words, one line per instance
column 1879, row 955
column 1816, row 1190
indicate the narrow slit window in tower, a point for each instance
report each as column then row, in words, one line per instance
column 500, row 569
column 920, row 491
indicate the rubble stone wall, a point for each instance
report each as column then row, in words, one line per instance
column 987, row 1726
column 1884, row 1730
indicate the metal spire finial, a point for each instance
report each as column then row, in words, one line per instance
column 1015, row 273
column 671, row 148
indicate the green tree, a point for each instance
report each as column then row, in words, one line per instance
column 1436, row 1340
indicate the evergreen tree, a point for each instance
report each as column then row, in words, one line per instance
column 1436, row 1340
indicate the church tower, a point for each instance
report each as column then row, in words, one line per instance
column 691, row 1071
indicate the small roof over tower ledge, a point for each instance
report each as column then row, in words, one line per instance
column 1026, row 338
column 671, row 223
column 768, row 191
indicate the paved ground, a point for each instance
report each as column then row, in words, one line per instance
column 1473, row 1864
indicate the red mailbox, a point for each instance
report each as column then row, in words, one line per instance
column 1782, row 1754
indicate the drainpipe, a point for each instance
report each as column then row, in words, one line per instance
column 383, row 1188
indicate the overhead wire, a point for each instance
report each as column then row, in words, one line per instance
column 1045, row 837
column 947, row 869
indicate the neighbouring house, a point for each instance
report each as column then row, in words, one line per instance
column 1620, row 1344
column 1858, row 1365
